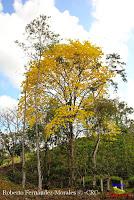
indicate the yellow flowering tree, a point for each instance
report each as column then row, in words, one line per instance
column 74, row 76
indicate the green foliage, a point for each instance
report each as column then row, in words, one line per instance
column 116, row 178
column 129, row 190
column 15, row 176
column 118, row 191
column 131, row 181
column 31, row 169
column 2, row 157
column 115, row 158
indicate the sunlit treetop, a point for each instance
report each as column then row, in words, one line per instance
column 74, row 75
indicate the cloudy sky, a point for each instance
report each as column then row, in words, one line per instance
column 108, row 23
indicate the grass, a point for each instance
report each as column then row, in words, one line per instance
column 130, row 190
column 17, row 159
column 6, row 184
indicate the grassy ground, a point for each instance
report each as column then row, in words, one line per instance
column 8, row 162
column 6, row 184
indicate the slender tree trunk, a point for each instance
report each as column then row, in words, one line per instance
column 12, row 155
column 46, row 170
column 12, row 159
column 83, row 181
column 23, row 140
column 23, row 167
column 37, row 135
column 94, row 181
column 121, row 182
column 38, row 159
column 108, row 184
column 71, row 155
column 101, row 183
column 94, row 159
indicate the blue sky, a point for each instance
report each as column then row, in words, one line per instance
column 78, row 8
column 76, row 19
column 81, row 9
column 8, row 5
column 7, row 88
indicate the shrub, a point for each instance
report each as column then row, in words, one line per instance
column 118, row 191
column 131, row 181
column 15, row 176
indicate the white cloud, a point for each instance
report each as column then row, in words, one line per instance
column 7, row 102
column 113, row 24
column 125, row 93
column 112, row 28
column 12, row 59
column 130, row 93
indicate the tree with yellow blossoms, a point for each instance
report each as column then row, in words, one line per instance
column 73, row 76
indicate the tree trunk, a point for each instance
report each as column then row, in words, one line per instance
column 37, row 132
column 46, row 170
column 94, row 181
column 83, row 181
column 101, row 183
column 38, row 159
column 121, row 182
column 12, row 159
column 94, row 159
column 23, row 141
column 23, row 172
column 71, row 155
column 108, row 184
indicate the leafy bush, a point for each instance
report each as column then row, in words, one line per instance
column 131, row 181
column 116, row 178
column 118, row 191
column 88, row 182
column 15, row 176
